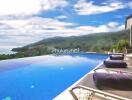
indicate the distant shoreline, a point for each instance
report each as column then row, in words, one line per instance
column 6, row 52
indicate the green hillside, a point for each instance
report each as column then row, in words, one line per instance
column 92, row 42
column 97, row 42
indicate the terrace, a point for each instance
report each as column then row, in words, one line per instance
column 86, row 89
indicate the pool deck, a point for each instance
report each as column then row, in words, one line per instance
column 87, row 81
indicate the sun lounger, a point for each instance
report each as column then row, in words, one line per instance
column 115, row 64
column 117, row 54
column 87, row 83
column 116, row 57
column 120, row 81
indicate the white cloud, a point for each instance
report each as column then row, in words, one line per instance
column 39, row 28
column 5, row 26
column 25, row 31
column 129, row 5
column 36, row 23
column 28, row 7
column 84, row 30
column 87, row 8
column 61, row 17
column 14, row 23
column 110, row 27
column 18, row 7
column 51, row 4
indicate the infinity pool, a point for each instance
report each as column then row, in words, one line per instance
column 43, row 77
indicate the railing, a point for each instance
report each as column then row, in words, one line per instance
column 94, row 92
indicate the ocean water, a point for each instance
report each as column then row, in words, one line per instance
column 7, row 49
column 44, row 77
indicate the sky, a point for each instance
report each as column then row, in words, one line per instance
column 26, row 21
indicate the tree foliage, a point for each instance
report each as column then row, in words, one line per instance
column 121, row 45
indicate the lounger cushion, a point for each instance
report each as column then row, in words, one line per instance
column 121, row 54
column 115, row 64
column 118, row 81
column 116, row 57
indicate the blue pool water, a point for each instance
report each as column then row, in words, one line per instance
column 43, row 77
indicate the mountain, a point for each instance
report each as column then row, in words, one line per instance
column 92, row 42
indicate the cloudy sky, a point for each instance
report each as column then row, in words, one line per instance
column 27, row 21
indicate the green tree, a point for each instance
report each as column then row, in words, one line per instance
column 120, row 46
